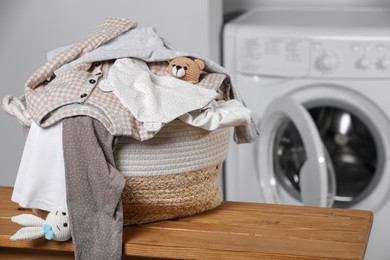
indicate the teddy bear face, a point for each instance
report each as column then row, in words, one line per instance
column 186, row 69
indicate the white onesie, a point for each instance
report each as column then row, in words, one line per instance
column 40, row 182
column 152, row 99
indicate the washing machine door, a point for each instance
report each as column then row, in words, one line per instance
column 313, row 183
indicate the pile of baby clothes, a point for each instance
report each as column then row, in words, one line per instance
column 112, row 84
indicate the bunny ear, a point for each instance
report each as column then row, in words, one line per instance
column 28, row 220
column 28, row 233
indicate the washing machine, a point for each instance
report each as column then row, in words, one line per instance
column 318, row 84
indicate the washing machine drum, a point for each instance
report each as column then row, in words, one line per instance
column 350, row 150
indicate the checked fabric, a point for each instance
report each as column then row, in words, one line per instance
column 108, row 29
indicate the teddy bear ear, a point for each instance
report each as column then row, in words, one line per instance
column 200, row 63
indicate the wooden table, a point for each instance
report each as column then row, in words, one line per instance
column 233, row 231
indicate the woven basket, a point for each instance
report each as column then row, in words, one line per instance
column 172, row 175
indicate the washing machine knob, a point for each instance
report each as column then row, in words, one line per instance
column 363, row 63
column 383, row 64
column 327, row 63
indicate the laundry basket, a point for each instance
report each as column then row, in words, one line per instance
column 172, row 175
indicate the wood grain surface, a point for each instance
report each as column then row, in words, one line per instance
column 232, row 231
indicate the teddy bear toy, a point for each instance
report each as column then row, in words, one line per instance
column 185, row 68
column 54, row 227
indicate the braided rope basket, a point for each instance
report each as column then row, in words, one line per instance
column 172, row 175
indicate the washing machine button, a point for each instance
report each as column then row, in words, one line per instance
column 363, row 63
column 327, row 63
column 383, row 64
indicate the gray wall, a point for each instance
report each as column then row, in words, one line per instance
column 28, row 29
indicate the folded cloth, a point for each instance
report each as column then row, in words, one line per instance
column 40, row 182
column 152, row 99
column 219, row 115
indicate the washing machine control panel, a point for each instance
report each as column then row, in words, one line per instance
column 289, row 57
column 314, row 57
column 350, row 58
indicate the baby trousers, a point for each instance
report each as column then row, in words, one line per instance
column 93, row 188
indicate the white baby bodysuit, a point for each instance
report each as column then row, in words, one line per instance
column 218, row 115
column 40, row 182
column 153, row 99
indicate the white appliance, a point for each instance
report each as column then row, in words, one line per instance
column 318, row 84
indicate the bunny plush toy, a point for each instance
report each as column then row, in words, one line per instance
column 55, row 227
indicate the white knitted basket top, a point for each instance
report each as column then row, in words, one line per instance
column 177, row 148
